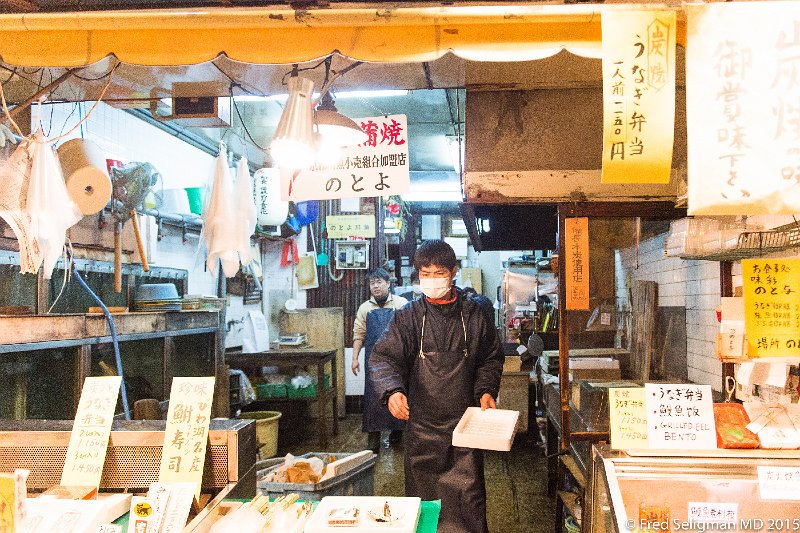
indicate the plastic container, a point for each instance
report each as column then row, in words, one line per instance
column 359, row 481
column 195, row 195
column 271, row 390
column 306, row 392
column 266, row 430
column 492, row 429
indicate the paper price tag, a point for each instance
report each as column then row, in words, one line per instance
column 779, row 483
column 108, row 528
column 628, row 418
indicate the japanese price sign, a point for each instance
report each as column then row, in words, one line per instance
column 779, row 482
column 344, row 226
column 742, row 112
column 680, row 416
column 713, row 513
column 628, row 418
column 378, row 167
column 186, row 434
column 86, row 453
column 772, row 307
column 577, row 262
column 638, row 96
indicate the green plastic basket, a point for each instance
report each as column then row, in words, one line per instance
column 271, row 390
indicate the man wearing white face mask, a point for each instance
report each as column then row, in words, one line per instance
column 439, row 356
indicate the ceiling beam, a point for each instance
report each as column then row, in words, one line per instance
column 18, row 5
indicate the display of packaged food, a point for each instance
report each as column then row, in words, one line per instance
column 343, row 516
column 731, row 421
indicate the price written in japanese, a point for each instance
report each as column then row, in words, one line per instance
column 680, row 416
column 628, row 418
column 772, row 306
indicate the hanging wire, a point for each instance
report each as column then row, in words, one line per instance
column 241, row 120
column 67, row 259
column 97, row 102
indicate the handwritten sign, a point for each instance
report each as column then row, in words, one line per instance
column 176, row 513
column 713, row 512
column 378, row 167
column 577, row 262
column 744, row 150
column 680, row 416
column 86, row 453
column 628, row 418
column 638, row 96
column 779, row 483
column 186, row 434
column 772, row 307
column 108, row 528
column 344, row 226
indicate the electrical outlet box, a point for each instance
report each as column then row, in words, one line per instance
column 352, row 255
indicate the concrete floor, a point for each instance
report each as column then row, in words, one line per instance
column 516, row 482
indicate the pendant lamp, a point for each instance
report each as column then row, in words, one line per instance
column 293, row 143
column 335, row 128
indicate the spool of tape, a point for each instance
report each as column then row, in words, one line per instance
column 87, row 181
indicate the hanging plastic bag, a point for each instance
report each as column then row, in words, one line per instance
column 245, row 211
column 255, row 337
column 220, row 230
column 15, row 175
column 49, row 206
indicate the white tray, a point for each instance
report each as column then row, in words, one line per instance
column 492, row 429
column 407, row 509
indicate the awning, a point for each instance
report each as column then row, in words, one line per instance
column 275, row 36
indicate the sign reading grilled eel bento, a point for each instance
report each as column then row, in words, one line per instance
column 378, row 167
column 742, row 93
column 186, row 434
column 638, row 96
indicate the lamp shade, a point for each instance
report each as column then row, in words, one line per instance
column 337, row 129
column 293, row 143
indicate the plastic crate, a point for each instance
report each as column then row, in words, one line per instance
column 360, row 481
column 306, row 392
column 271, row 390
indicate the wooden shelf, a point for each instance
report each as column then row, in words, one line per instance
column 574, row 470
column 570, row 501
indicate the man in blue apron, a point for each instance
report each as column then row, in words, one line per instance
column 371, row 320
column 439, row 356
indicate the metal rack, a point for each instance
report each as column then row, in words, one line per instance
column 756, row 244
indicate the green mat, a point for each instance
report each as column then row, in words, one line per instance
column 428, row 517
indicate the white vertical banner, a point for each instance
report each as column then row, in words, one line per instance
column 638, row 96
column 743, row 115
column 378, row 167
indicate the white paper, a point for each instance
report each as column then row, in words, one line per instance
column 713, row 512
column 353, row 385
column 778, row 483
column 255, row 337
column 350, row 205
column 680, row 416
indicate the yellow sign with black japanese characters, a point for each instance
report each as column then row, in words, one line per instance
column 772, row 307
column 344, row 226
column 638, row 96
column 576, row 255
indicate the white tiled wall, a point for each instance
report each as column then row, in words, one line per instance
column 126, row 138
column 690, row 284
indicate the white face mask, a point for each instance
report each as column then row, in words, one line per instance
column 435, row 288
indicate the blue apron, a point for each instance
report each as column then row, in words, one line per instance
column 376, row 415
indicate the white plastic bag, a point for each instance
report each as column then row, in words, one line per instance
column 245, row 210
column 256, row 333
column 219, row 225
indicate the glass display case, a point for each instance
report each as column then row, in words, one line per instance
column 723, row 489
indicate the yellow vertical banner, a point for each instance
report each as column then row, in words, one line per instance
column 576, row 255
column 772, row 307
column 86, row 453
column 638, row 96
column 186, row 434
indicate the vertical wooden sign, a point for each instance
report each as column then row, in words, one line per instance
column 576, row 256
column 186, row 434
column 86, row 453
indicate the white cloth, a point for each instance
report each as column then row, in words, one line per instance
column 219, row 224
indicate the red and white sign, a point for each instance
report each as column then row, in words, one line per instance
column 378, row 167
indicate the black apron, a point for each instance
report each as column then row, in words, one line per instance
column 440, row 390
column 376, row 415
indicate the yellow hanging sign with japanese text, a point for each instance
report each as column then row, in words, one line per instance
column 638, row 96
column 772, row 307
column 88, row 442
column 186, row 434
column 576, row 255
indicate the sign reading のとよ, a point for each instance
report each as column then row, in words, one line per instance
column 378, row 167
column 638, row 96
column 344, row 226
column 741, row 106
column 772, row 311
